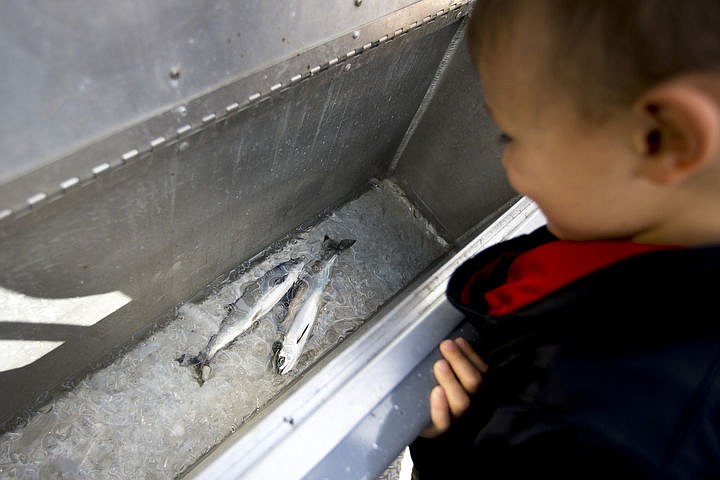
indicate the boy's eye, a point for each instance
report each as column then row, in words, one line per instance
column 504, row 138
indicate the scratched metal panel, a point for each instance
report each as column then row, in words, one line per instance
column 104, row 64
column 165, row 224
column 455, row 178
column 83, row 84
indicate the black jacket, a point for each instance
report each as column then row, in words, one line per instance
column 615, row 375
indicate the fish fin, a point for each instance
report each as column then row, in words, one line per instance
column 345, row 244
column 252, row 328
column 202, row 371
column 272, row 364
column 187, row 360
column 290, row 294
column 205, row 373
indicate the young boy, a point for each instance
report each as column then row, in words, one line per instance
column 600, row 351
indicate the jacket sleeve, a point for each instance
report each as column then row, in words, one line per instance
column 523, row 451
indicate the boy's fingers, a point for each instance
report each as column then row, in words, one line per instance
column 439, row 409
column 463, row 367
column 440, row 417
column 471, row 354
column 456, row 395
column 458, row 375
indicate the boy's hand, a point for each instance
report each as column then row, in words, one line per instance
column 459, row 376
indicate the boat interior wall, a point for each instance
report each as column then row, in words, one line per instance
column 163, row 225
column 449, row 167
column 79, row 73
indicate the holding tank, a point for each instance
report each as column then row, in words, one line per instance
column 155, row 174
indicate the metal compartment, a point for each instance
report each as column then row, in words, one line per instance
column 184, row 155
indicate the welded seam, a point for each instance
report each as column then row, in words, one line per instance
column 429, row 95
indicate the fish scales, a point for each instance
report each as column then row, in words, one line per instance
column 257, row 299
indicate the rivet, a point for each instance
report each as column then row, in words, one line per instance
column 175, row 72
column 358, row 3
column 130, row 154
column 37, row 198
column 69, row 183
column 157, row 141
column 98, row 169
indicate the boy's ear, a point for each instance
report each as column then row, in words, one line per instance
column 680, row 133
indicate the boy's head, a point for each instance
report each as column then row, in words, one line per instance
column 605, row 53
column 611, row 110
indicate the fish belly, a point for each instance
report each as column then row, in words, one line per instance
column 228, row 333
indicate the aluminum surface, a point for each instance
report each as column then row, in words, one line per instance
column 98, row 87
column 455, row 198
column 170, row 221
column 365, row 403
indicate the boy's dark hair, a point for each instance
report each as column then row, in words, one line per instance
column 606, row 53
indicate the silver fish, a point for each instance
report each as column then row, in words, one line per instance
column 304, row 306
column 257, row 299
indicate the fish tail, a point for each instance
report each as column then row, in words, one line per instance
column 333, row 246
column 200, row 364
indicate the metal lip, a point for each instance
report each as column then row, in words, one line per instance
column 69, row 183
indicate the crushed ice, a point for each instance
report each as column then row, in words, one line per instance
column 145, row 416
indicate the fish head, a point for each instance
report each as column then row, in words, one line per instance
column 285, row 359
